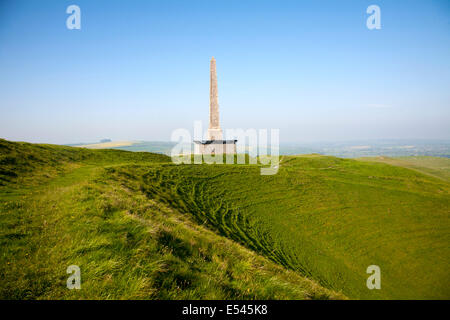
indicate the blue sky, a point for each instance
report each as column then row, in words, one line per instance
column 137, row 70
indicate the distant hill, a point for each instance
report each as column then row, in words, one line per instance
column 142, row 227
column 136, row 146
column 107, row 144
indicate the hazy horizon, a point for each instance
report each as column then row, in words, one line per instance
column 300, row 142
column 345, row 149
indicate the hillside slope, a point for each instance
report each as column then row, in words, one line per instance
column 324, row 217
column 433, row 166
column 144, row 227
column 64, row 206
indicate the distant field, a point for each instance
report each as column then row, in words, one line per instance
column 142, row 227
column 135, row 146
column 433, row 166
column 108, row 145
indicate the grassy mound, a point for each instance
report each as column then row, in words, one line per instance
column 64, row 206
column 323, row 217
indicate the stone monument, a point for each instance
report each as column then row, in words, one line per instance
column 215, row 143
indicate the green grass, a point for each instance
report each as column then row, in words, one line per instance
column 325, row 218
column 142, row 227
column 62, row 206
column 433, row 166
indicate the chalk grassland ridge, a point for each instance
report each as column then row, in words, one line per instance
column 320, row 217
column 62, row 206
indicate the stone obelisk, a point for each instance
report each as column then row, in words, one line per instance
column 214, row 131
column 214, row 144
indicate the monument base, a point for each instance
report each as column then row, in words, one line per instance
column 213, row 147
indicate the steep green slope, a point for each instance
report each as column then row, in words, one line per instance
column 327, row 218
column 62, row 206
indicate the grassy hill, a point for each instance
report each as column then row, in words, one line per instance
column 139, row 226
column 61, row 206
column 326, row 218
